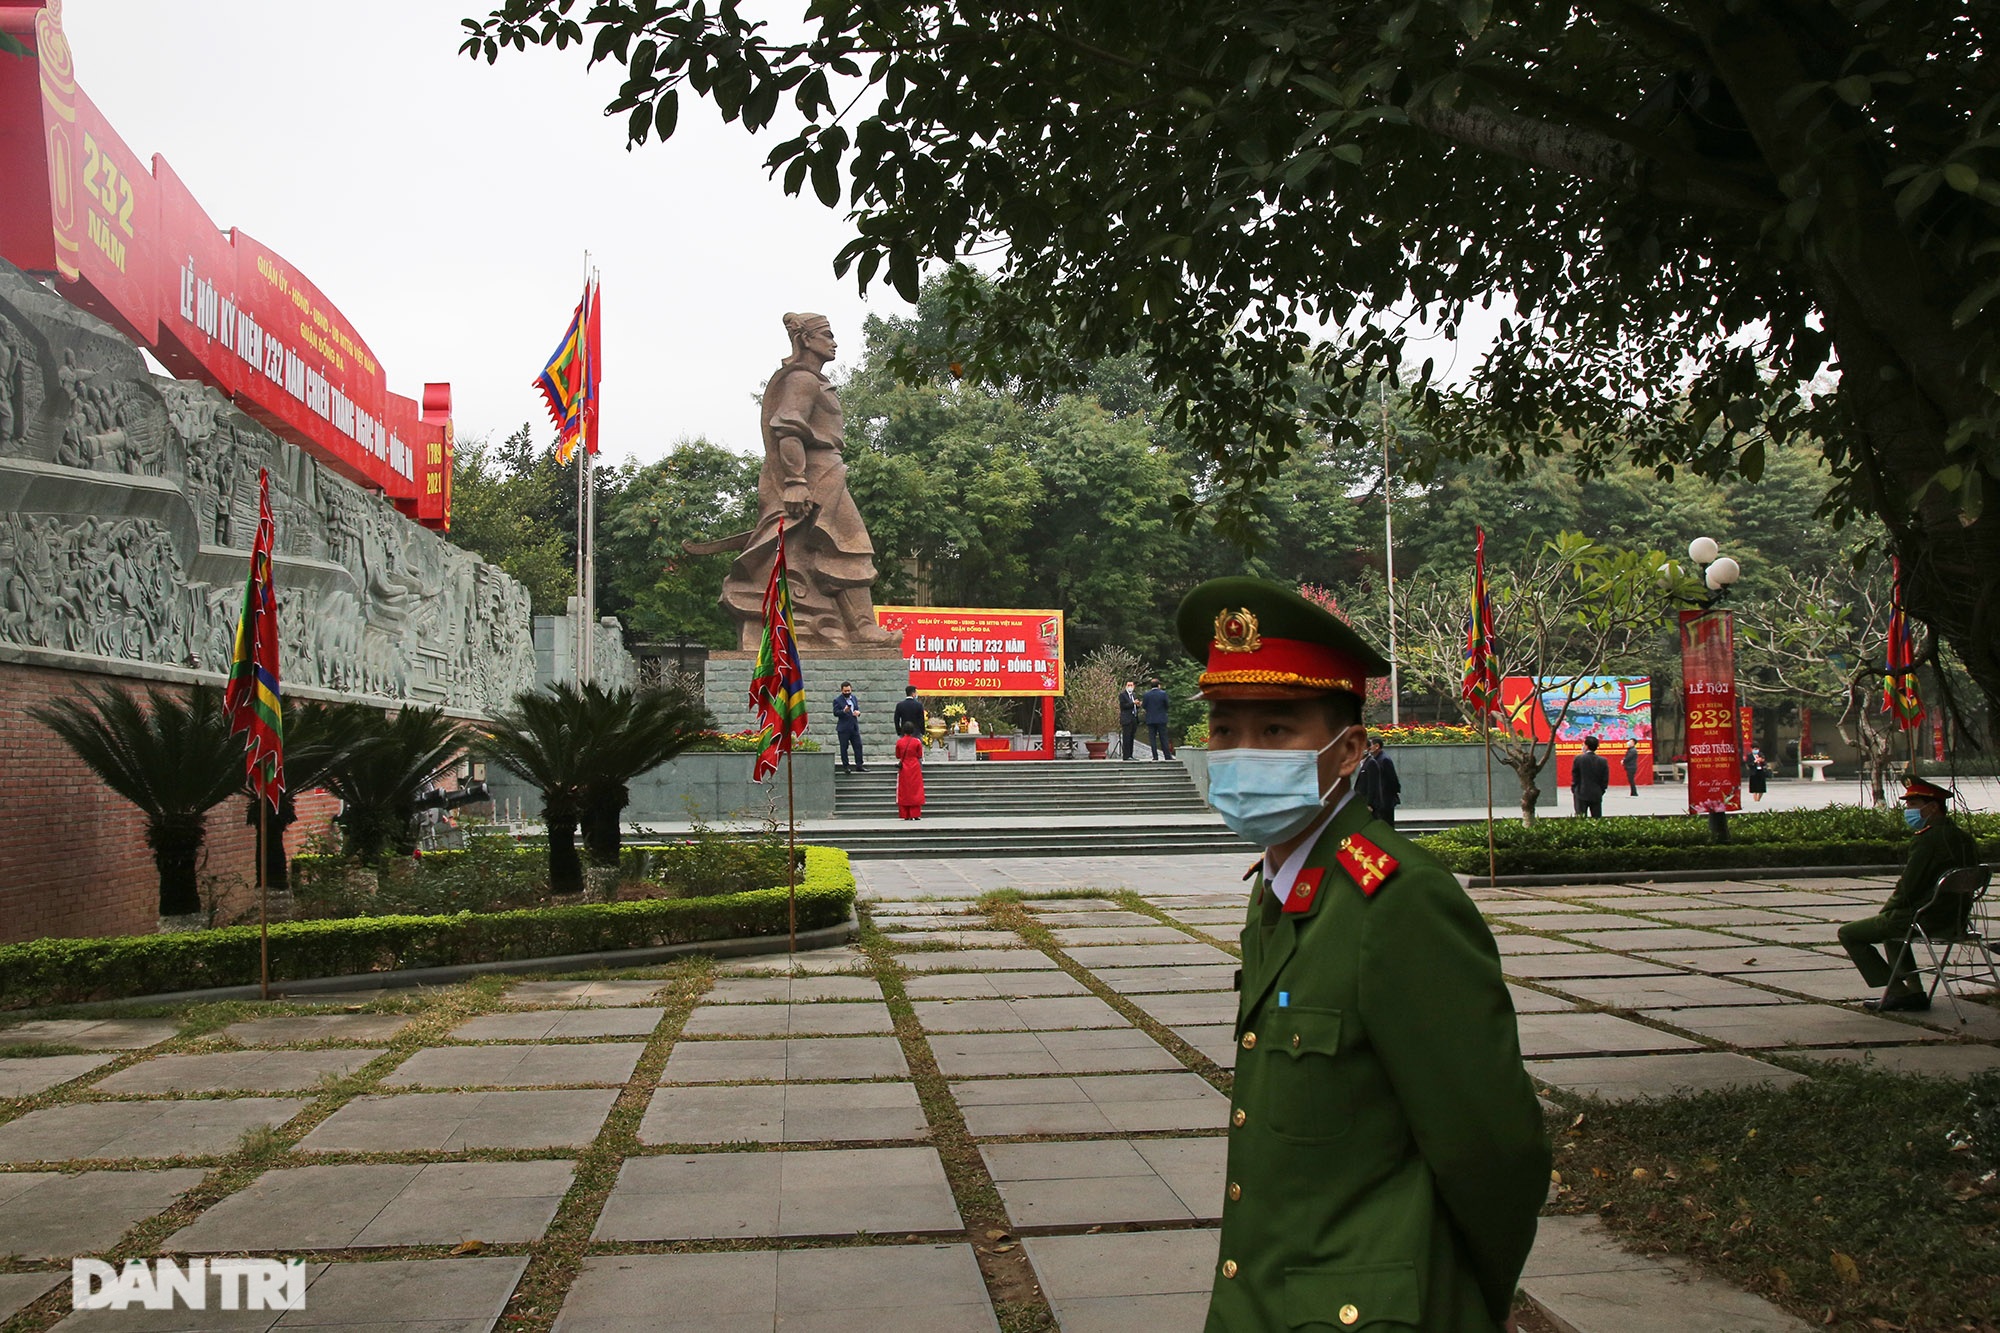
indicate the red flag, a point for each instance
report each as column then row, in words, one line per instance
column 1481, row 686
column 777, row 687
column 253, row 700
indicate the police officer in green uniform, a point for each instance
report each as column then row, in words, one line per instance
column 1387, row 1159
column 1939, row 845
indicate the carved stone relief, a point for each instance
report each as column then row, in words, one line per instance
column 128, row 504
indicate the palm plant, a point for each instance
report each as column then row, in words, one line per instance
column 317, row 736
column 380, row 775
column 174, row 760
column 540, row 740
column 631, row 732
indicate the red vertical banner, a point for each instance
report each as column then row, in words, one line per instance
column 1708, row 691
column 1937, row 738
column 1749, row 741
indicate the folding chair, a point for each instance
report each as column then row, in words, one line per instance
column 1961, row 949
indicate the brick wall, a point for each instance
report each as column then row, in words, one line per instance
column 73, row 854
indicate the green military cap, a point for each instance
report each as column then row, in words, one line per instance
column 1262, row 640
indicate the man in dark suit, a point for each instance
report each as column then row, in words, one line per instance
column 1384, row 791
column 1155, row 704
column 910, row 713
column 1128, row 715
column 1589, row 779
column 847, row 725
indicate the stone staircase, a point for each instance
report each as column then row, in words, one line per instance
column 1060, row 807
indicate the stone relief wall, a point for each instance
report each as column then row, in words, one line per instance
column 128, row 504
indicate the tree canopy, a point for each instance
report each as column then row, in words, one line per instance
column 1719, row 224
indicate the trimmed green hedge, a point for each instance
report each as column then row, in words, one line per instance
column 1836, row 836
column 69, row 971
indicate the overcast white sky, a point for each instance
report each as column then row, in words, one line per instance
column 445, row 206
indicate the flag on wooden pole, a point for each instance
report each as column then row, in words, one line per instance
column 1481, row 686
column 777, row 687
column 569, row 381
column 1899, row 684
column 252, row 701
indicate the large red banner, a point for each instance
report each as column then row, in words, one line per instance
column 131, row 245
column 963, row 650
column 1708, row 689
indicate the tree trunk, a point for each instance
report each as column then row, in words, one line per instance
column 176, row 843
column 1873, row 745
column 565, row 866
column 602, row 809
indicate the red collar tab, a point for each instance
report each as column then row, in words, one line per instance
column 1369, row 864
column 1305, row 890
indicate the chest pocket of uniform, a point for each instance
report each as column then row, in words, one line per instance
column 1308, row 1088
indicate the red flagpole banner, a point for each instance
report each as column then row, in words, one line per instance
column 1708, row 689
column 253, row 697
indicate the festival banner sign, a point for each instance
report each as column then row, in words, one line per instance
column 1614, row 709
column 1708, row 688
column 966, row 650
column 126, row 240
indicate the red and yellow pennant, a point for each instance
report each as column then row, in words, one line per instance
column 570, row 379
column 1481, row 687
column 253, row 701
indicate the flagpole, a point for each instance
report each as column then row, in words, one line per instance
column 589, row 444
column 1492, row 857
column 263, row 902
column 791, row 858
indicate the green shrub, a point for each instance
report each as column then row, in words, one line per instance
column 1835, row 836
column 744, row 742
column 69, row 971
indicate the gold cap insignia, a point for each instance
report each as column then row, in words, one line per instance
column 1236, row 631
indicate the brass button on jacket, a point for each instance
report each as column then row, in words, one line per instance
column 1349, row 1315
column 1238, row 1119
column 1235, row 1192
column 1249, row 1041
column 1229, row 1270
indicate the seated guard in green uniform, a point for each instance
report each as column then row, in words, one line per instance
column 1387, row 1160
column 1939, row 845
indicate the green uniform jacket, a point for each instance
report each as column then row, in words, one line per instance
column 1939, row 846
column 1387, row 1160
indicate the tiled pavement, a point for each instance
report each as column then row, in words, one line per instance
column 424, row 1161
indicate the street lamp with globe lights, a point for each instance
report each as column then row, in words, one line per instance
column 1713, row 691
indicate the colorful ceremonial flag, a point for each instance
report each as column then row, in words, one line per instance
column 569, row 382
column 1899, row 683
column 777, row 689
column 1482, row 663
column 253, row 701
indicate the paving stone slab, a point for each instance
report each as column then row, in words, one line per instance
column 26, row 1075
column 552, row 994
column 1109, row 1180
column 1680, row 991
column 47, row 1215
column 86, row 1130
column 92, row 1034
column 781, row 1113
column 1077, row 937
column 910, row 941
column 518, row 1066
column 1649, row 1298
column 1033, row 1014
column 794, row 1058
column 560, row 1024
column 801, row 1192
column 1749, row 896
column 456, row 1121
column 1508, row 906
column 918, row 906
column 299, row 1029
column 1969, row 1019
column 789, row 1020
column 1190, row 1007
column 464, row 1295
column 1752, row 959
column 978, row 960
column 1768, row 1026
column 20, row 1290
column 1190, row 954
column 1821, row 984
column 1593, row 1034
column 1091, row 1051
column 1227, row 921
column 1725, row 916
column 1528, row 1001
column 1801, row 934
column 876, row 1289
column 1575, row 920
column 239, row 1071
column 1836, row 912
column 841, row 958
column 1061, row 905
column 1130, row 1282
column 1089, row 1104
column 1655, row 939
column 1517, row 945
column 791, row 990
column 1591, row 963
column 1160, row 980
column 1937, row 1061
column 1217, row 1041
column 1627, row 1077
column 991, row 985
column 377, row 1204
column 1101, row 920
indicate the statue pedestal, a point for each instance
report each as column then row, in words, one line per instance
column 880, row 676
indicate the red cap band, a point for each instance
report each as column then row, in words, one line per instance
column 1260, row 660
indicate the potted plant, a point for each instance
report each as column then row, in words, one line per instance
column 1090, row 696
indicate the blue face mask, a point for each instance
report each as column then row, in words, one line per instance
column 1911, row 816
column 1267, row 796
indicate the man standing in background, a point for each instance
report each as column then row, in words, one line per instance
column 1631, row 762
column 1128, row 715
column 1589, row 779
column 1156, row 721
column 1384, row 791
column 910, row 714
column 847, row 724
